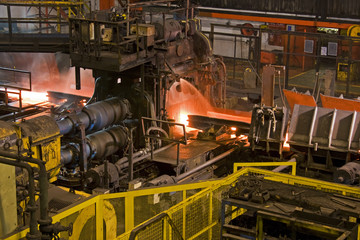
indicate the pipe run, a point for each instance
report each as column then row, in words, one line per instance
column 34, row 232
column 96, row 116
column 98, row 145
column 138, row 156
column 281, row 168
column 46, row 227
column 44, row 220
column 206, row 164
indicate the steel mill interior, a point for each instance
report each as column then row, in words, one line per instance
column 179, row 119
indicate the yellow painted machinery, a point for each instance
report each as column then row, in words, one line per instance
column 123, row 138
column 351, row 69
column 38, row 137
column 205, row 209
column 34, row 147
column 345, row 69
column 31, row 146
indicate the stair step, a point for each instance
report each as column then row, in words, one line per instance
column 241, row 229
column 232, row 236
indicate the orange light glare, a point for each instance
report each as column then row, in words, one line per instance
column 286, row 145
column 184, row 119
column 233, row 129
column 31, row 97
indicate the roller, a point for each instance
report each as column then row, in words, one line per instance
column 96, row 116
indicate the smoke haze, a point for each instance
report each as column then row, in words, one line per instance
column 45, row 73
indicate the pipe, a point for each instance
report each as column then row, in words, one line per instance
column 45, row 220
column 135, row 155
column 280, row 168
column 206, row 164
column 96, row 116
column 123, row 162
column 224, row 82
column 34, row 232
column 98, row 145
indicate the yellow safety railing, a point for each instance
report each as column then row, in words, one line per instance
column 119, row 212
column 193, row 210
column 266, row 164
column 199, row 215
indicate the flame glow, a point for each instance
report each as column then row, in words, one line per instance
column 185, row 99
column 34, row 96
column 184, row 119
column 286, row 145
column 31, row 97
column 83, row 102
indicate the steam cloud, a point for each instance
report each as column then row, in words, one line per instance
column 46, row 75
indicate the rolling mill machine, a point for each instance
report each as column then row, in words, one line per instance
column 127, row 134
column 153, row 66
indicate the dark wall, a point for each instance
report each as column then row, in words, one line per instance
column 344, row 8
column 321, row 8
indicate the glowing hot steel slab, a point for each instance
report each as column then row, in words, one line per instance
column 203, row 122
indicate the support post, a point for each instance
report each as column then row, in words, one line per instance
column 77, row 78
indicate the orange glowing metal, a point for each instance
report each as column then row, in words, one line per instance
column 83, row 102
column 233, row 136
column 243, row 137
column 286, row 145
column 31, row 97
column 233, row 129
column 35, row 96
column 238, row 116
column 184, row 119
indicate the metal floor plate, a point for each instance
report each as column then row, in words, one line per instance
column 190, row 151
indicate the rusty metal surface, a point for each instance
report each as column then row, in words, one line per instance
column 40, row 128
column 190, row 151
column 299, row 98
column 267, row 89
column 339, row 103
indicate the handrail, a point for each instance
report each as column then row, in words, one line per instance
column 266, row 164
column 15, row 86
column 153, row 220
column 165, row 138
